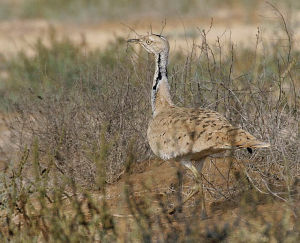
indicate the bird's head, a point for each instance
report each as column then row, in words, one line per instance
column 155, row 44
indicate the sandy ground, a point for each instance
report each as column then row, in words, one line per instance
column 21, row 34
column 155, row 181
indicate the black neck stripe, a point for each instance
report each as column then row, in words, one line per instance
column 159, row 76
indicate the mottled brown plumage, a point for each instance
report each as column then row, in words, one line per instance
column 187, row 133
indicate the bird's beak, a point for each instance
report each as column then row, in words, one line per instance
column 133, row 40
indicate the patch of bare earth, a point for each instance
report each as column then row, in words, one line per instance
column 21, row 34
column 155, row 182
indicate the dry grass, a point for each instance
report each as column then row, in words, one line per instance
column 79, row 119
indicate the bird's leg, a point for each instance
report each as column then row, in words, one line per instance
column 199, row 166
column 196, row 171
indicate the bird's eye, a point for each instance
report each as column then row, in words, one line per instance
column 148, row 42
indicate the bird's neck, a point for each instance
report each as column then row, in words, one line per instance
column 161, row 97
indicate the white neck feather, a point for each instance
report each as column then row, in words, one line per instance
column 160, row 88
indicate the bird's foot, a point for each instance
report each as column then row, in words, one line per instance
column 203, row 214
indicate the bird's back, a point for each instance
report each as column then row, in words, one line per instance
column 179, row 132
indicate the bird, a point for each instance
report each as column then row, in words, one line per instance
column 186, row 135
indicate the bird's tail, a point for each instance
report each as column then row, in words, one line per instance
column 242, row 139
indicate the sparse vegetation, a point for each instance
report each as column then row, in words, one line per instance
column 91, row 10
column 78, row 122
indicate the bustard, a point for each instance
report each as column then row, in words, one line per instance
column 187, row 135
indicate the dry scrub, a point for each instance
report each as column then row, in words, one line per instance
column 79, row 119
